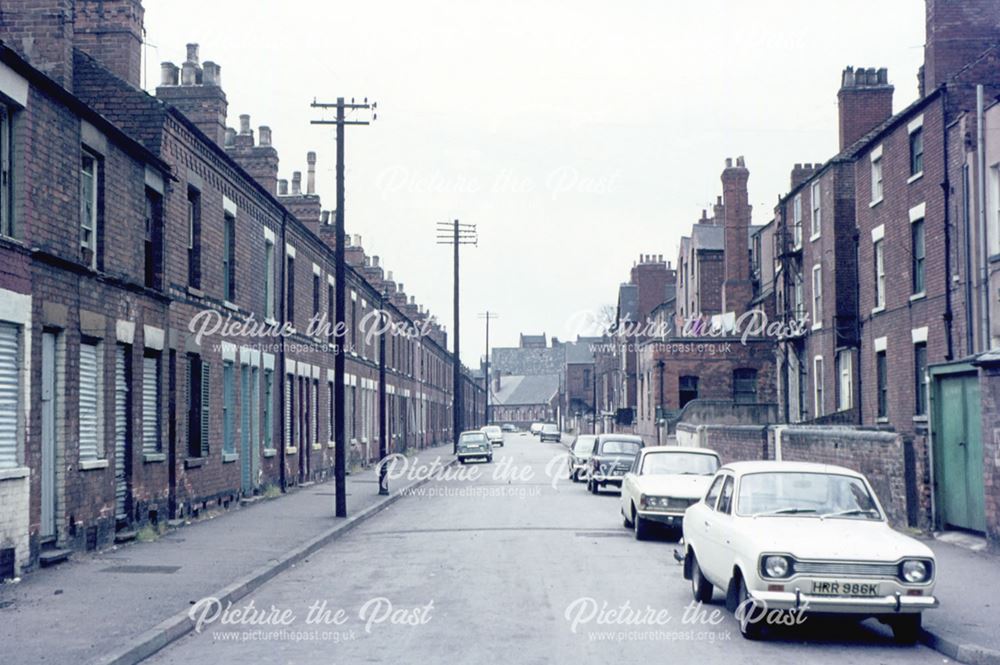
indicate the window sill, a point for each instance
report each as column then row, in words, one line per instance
column 874, row 203
column 270, row 452
column 331, row 444
column 291, row 450
column 270, row 321
column 149, row 458
column 882, row 420
column 878, row 310
column 228, row 458
column 920, row 419
column 193, row 462
column 918, row 296
column 93, row 464
column 817, row 326
column 994, row 259
column 195, row 291
column 915, row 177
column 230, row 305
column 14, row 474
column 317, row 446
column 815, row 237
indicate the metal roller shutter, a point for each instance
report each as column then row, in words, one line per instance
column 150, row 404
column 89, row 391
column 9, row 395
column 121, row 431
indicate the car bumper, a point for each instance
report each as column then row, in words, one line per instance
column 895, row 604
column 481, row 454
column 670, row 519
column 609, row 480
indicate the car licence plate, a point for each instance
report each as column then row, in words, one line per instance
column 840, row 588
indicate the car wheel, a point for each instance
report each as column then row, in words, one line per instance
column 906, row 628
column 750, row 630
column 489, row 460
column 701, row 588
column 626, row 521
column 641, row 527
column 592, row 486
column 461, row 461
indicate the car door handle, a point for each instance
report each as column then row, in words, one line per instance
column 707, row 524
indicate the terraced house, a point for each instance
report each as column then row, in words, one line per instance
column 135, row 229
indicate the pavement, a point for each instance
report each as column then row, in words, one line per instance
column 119, row 605
column 489, row 561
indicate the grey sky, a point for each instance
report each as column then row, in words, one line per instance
column 577, row 135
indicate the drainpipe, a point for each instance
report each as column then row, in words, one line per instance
column 984, row 315
column 946, row 187
column 281, row 356
column 778, row 431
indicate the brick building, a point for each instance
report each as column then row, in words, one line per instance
column 702, row 353
column 114, row 411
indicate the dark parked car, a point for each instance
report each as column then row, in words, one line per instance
column 610, row 459
column 550, row 432
column 474, row 445
column 579, row 455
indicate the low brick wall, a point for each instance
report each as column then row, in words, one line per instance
column 880, row 455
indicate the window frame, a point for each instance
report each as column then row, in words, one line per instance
column 816, row 201
column 919, row 379
column 194, row 236
column 877, row 177
column 916, row 147
column 91, row 225
column 819, row 387
column 878, row 260
column 918, row 257
column 881, row 384
column 7, row 227
column 229, row 257
column 817, row 296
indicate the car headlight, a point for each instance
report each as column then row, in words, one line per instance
column 777, row 566
column 915, row 571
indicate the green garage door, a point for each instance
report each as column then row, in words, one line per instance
column 958, row 453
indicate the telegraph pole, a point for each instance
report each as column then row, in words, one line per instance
column 488, row 315
column 339, row 433
column 383, row 420
column 456, row 234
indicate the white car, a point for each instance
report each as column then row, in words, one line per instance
column 662, row 483
column 805, row 538
column 494, row 434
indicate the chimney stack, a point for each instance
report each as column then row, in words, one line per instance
column 199, row 95
column 110, row 31
column 737, row 289
column 865, row 102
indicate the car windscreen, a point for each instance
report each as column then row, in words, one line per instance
column 493, row 430
column 620, row 447
column 472, row 439
column 807, row 494
column 550, row 428
column 583, row 445
column 679, row 463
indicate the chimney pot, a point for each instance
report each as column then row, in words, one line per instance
column 189, row 74
column 325, row 217
column 729, row 162
column 230, row 137
column 413, row 300
column 311, row 176
column 168, row 73
column 400, row 286
column 212, row 74
column 264, row 135
column 296, row 183
column 388, row 276
column 357, row 239
column 282, row 187
column 244, row 123
column 192, row 53
column 375, row 261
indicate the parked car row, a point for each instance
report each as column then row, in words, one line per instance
column 776, row 538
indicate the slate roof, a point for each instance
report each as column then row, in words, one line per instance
column 521, row 390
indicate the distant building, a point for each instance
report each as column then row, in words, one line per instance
column 522, row 400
